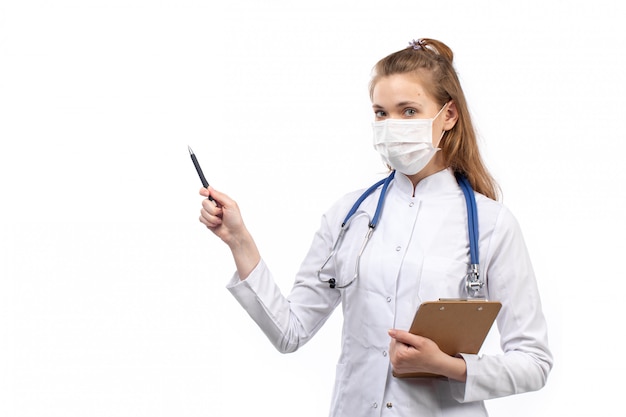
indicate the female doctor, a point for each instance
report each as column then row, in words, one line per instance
column 418, row 249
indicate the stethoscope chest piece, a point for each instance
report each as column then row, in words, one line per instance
column 473, row 283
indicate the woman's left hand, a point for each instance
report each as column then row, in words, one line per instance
column 411, row 353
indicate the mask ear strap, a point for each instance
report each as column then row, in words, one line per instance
column 437, row 115
column 442, row 109
column 444, row 106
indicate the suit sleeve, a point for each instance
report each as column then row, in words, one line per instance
column 526, row 360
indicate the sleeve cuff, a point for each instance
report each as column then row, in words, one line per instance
column 236, row 281
column 461, row 390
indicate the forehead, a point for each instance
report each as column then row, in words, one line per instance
column 395, row 88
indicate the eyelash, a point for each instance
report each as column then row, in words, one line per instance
column 410, row 112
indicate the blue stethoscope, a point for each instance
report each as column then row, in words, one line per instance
column 473, row 283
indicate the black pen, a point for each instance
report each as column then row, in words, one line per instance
column 205, row 183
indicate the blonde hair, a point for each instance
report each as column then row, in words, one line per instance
column 431, row 61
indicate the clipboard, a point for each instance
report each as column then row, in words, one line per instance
column 455, row 325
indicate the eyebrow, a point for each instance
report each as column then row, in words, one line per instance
column 400, row 104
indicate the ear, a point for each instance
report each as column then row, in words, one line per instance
column 451, row 116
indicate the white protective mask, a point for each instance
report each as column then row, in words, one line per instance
column 406, row 145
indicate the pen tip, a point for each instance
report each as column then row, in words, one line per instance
column 190, row 151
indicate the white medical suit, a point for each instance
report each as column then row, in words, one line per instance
column 418, row 252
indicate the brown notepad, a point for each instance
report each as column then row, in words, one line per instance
column 457, row 326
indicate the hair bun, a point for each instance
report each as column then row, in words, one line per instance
column 432, row 45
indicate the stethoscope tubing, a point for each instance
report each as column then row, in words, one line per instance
column 472, row 227
column 472, row 214
column 385, row 183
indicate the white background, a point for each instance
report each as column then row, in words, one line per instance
column 112, row 298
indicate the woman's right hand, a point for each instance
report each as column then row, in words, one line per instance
column 222, row 216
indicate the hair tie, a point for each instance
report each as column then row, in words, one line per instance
column 417, row 44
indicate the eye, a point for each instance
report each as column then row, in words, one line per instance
column 410, row 112
column 380, row 114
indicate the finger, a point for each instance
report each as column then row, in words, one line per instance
column 210, row 214
column 393, row 347
column 406, row 337
column 220, row 198
column 211, row 207
column 209, row 220
column 206, row 193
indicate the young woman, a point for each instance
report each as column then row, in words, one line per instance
column 418, row 250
